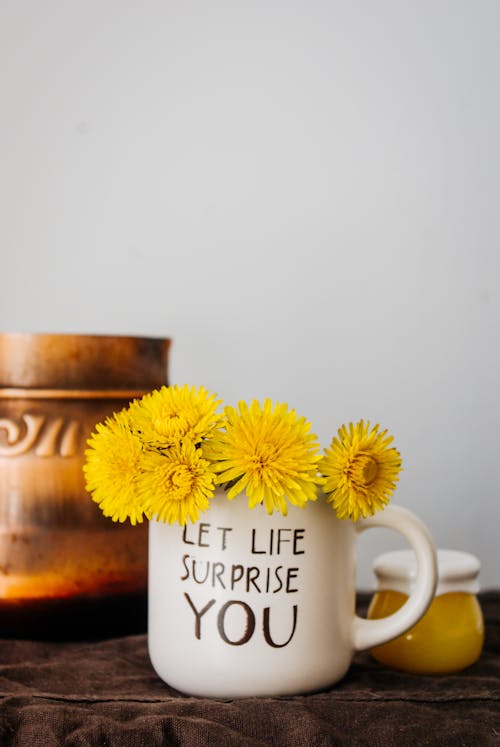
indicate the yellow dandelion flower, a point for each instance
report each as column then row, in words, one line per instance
column 172, row 414
column 175, row 485
column 112, row 461
column 268, row 453
column 361, row 470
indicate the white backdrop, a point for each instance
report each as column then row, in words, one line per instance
column 303, row 194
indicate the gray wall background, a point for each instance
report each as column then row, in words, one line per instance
column 303, row 194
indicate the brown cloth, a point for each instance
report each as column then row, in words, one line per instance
column 106, row 693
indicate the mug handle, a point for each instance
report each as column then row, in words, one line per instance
column 369, row 633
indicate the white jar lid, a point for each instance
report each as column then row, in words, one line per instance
column 457, row 571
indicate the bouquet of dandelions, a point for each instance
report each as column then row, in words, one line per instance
column 164, row 456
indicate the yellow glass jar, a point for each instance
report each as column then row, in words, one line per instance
column 450, row 636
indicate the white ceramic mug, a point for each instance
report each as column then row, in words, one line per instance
column 245, row 604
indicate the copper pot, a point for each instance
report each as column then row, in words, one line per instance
column 66, row 571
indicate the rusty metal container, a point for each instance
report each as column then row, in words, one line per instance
column 66, row 571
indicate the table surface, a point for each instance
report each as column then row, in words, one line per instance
column 106, row 693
